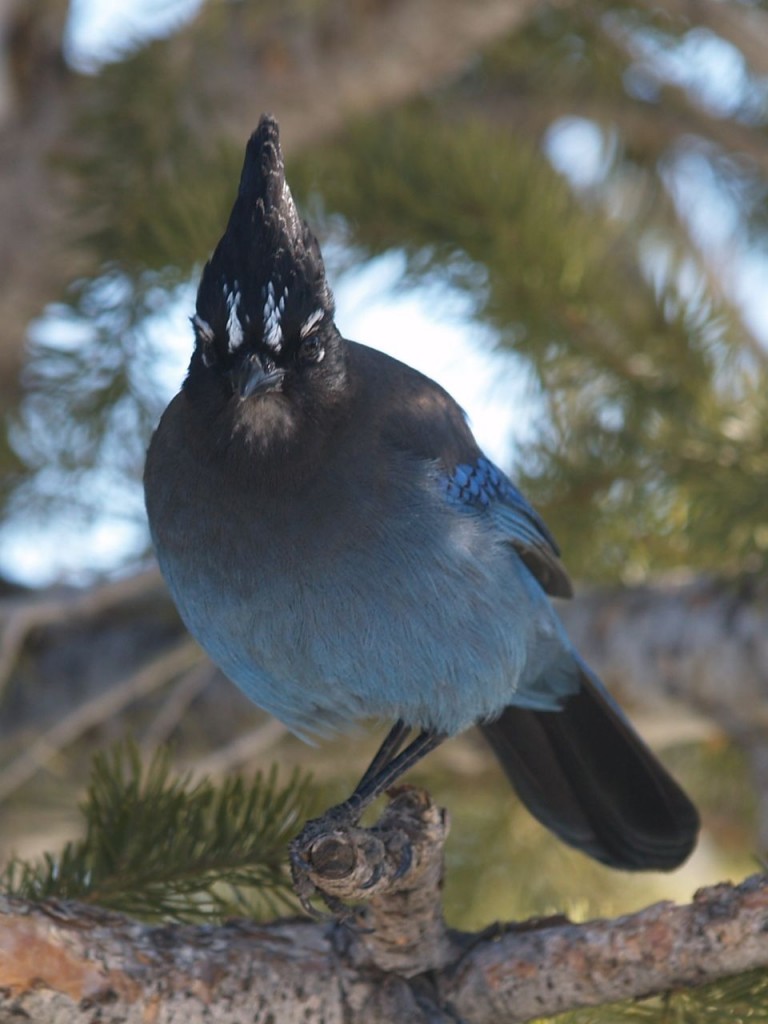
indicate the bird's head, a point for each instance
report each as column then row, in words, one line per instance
column 264, row 319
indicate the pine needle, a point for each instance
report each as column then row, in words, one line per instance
column 159, row 847
column 740, row 999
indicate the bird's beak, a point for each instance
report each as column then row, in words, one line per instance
column 255, row 377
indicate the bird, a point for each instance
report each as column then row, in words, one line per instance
column 340, row 546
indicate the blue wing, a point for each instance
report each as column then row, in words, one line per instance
column 484, row 487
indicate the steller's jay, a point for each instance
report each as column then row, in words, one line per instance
column 337, row 542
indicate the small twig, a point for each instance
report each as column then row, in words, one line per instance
column 181, row 696
column 756, row 749
column 243, row 749
column 95, row 711
column 21, row 619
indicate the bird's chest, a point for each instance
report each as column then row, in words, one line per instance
column 344, row 598
column 289, row 583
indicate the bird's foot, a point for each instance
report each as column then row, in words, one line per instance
column 337, row 859
column 322, row 848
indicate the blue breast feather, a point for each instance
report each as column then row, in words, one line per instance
column 421, row 613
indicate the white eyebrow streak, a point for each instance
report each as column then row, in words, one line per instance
column 272, row 315
column 310, row 323
column 234, row 327
column 204, row 329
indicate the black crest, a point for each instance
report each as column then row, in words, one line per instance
column 264, row 287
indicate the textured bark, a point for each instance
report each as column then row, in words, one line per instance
column 35, row 104
column 723, row 932
column 70, row 963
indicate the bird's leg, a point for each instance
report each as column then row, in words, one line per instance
column 385, row 769
column 382, row 774
column 388, row 749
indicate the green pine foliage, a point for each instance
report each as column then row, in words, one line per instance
column 648, row 451
column 742, row 999
column 159, row 846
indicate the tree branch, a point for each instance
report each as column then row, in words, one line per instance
column 660, row 948
column 96, row 710
column 22, row 616
column 67, row 962
column 700, row 646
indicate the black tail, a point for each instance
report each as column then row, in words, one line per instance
column 586, row 775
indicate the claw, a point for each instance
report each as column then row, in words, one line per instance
column 340, row 912
column 310, row 910
column 305, row 890
column 378, row 871
column 302, row 886
column 406, row 861
column 339, row 817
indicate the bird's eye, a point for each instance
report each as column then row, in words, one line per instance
column 311, row 349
